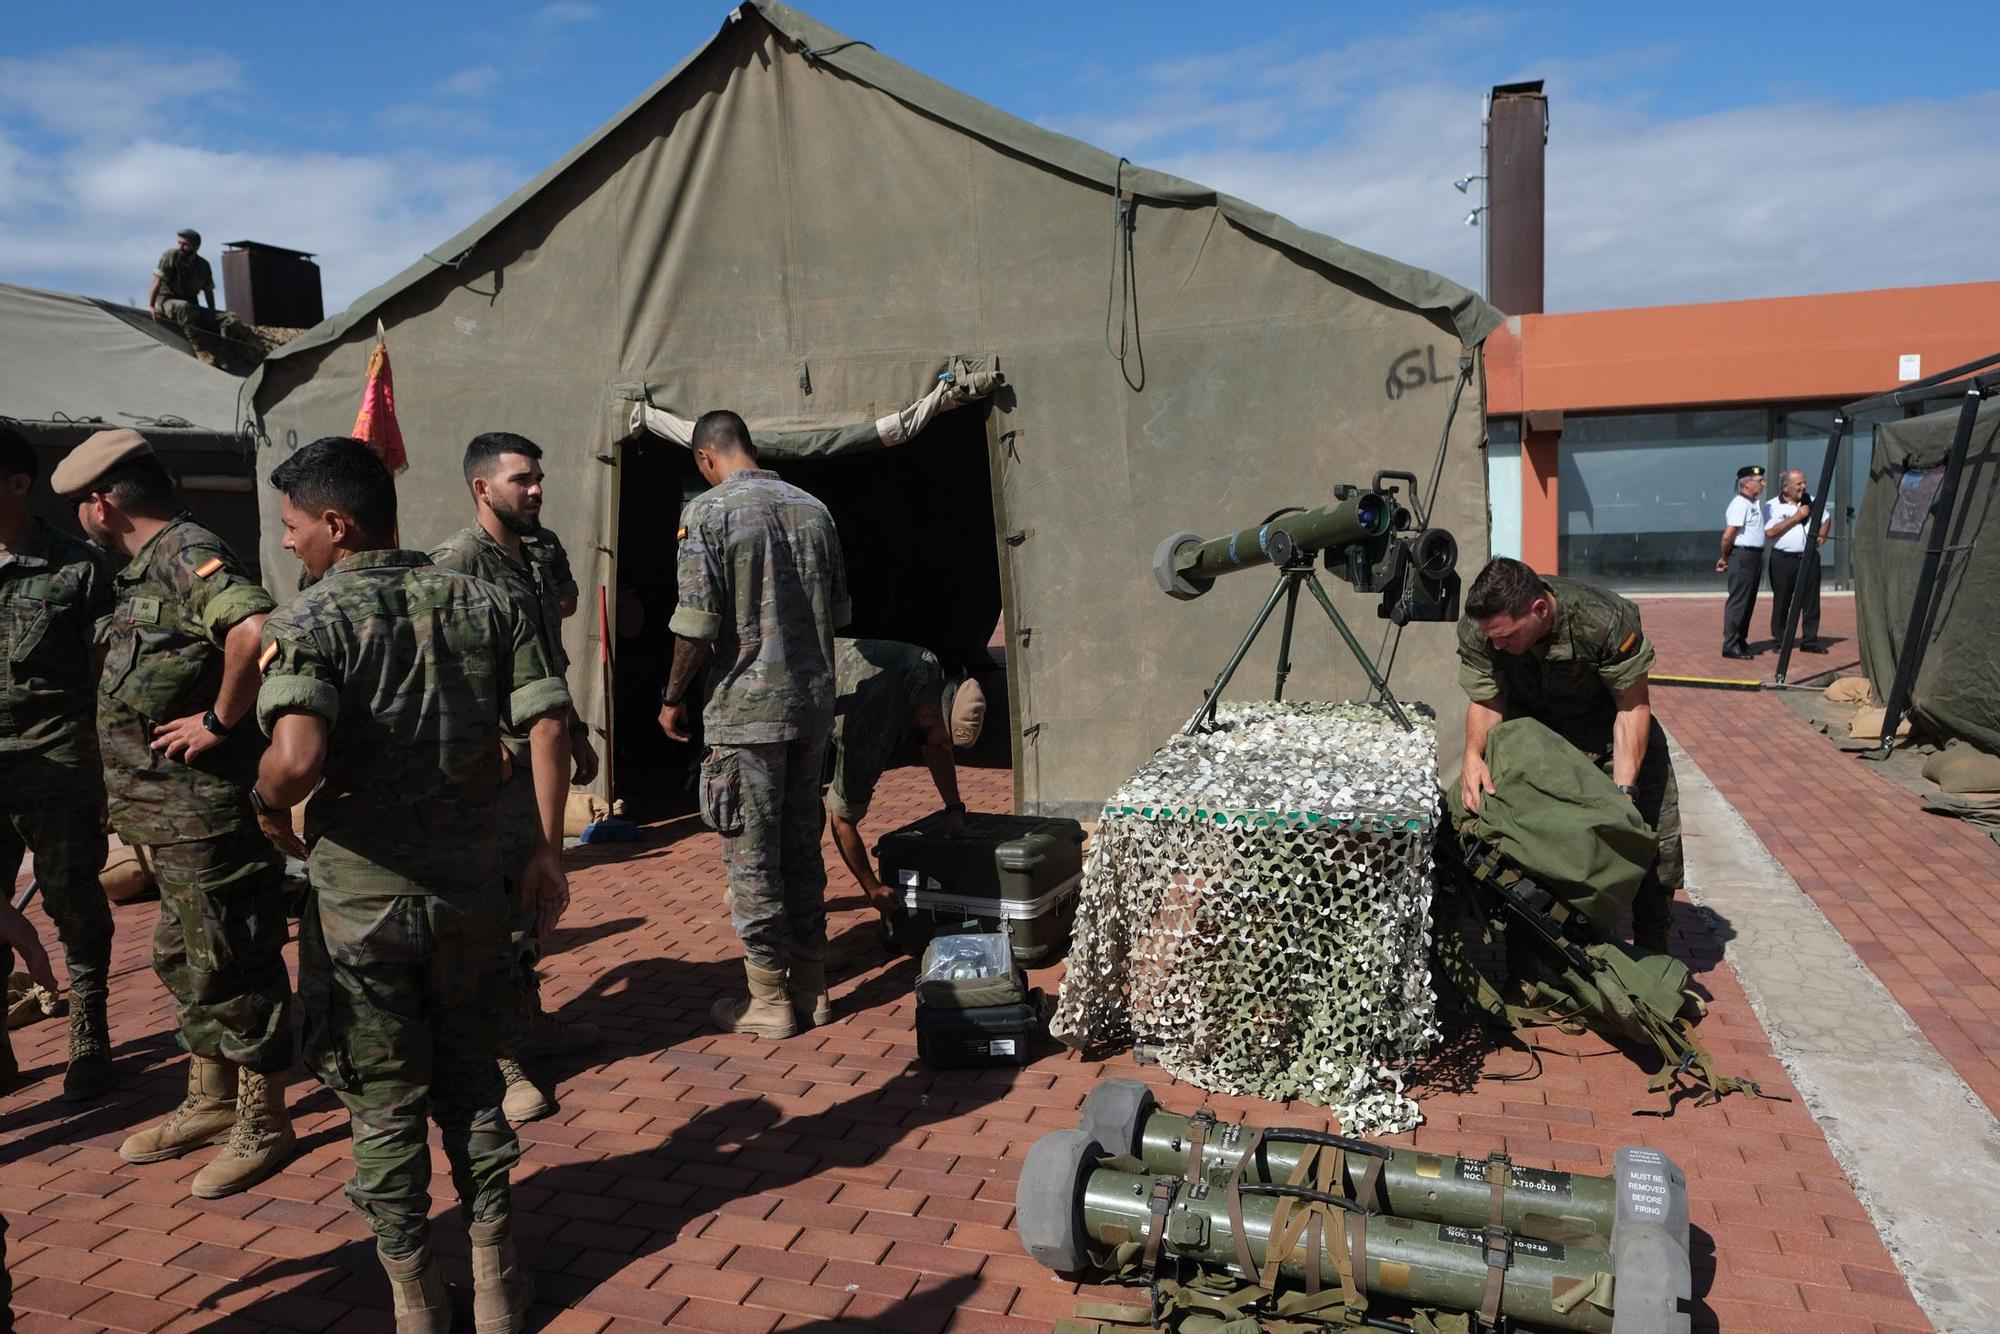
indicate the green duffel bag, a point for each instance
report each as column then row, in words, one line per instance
column 1555, row 816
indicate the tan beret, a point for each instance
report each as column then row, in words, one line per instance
column 83, row 466
column 967, row 707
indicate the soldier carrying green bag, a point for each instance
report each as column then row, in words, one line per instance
column 1574, row 658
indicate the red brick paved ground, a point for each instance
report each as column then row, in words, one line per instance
column 1917, row 895
column 828, row 1181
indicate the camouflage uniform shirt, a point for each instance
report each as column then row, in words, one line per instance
column 530, row 580
column 762, row 576
column 880, row 684
column 183, row 277
column 177, row 601
column 1595, row 647
column 415, row 670
column 53, row 590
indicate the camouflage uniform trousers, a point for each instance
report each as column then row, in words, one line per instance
column 518, row 821
column 69, row 844
column 765, row 801
column 195, row 319
column 408, row 999
column 1659, row 803
column 219, row 946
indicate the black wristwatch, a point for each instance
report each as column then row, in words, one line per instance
column 668, row 701
column 1629, row 790
column 258, row 804
column 214, row 724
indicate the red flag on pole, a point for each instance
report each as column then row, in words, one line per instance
column 376, row 422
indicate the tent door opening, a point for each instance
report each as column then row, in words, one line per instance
column 917, row 529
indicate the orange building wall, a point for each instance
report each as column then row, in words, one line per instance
column 1842, row 346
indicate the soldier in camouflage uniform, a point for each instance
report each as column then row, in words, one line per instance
column 179, row 677
column 762, row 589
column 508, row 548
column 1574, row 658
column 387, row 684
column 886, row 690
column 182, row 281
column 53, row 589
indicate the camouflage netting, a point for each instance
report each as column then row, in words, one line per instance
column 1257, row 902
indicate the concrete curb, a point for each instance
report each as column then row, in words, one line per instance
column 1920, row 1149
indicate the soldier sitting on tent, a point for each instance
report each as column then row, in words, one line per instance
column 182, row 281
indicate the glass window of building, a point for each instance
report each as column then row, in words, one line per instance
column 1642, row 495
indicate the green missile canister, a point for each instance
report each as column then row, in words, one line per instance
column 1069, row 1205
column 1555, row 1206
column 1186, row 566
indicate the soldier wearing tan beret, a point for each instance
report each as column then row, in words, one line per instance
column 180, row 678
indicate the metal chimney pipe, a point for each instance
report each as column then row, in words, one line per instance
column 1517, row 136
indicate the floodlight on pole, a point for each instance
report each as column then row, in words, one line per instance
column 1464, row 183
column 1472, row 218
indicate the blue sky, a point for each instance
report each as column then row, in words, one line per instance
column 1697, row 151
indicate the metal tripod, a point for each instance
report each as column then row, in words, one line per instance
column 1291, row 578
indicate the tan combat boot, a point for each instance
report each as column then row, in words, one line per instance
column 807, row 986
column 766, row 1012
column 501, row 1289
column 524, row 1100
column 416, row 1286
column 259, row 1144
column 204, row 1117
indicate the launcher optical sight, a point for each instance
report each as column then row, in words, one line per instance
column 1363, row 537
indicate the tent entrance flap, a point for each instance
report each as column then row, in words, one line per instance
column 917, row 529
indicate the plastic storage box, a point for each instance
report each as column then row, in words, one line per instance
column 1013, row 873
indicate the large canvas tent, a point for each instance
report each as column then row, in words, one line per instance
column 71, row 366
column 796, row 227
column 1957, row 689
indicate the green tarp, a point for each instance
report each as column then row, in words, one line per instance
column 1957, row 691
column 799, row 228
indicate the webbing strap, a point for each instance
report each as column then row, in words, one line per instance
column 1284, row 1239
column 1198, row 1127
column 1499, row 1176
column 1233, row 1198
column 1357, row 1247
column 1158, row 1205
column 1498, row 1251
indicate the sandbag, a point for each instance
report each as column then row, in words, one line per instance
column 1556, row 816
column 125, row 876
column 1852, row 690
column 1866, row 725
column 581, row 809
column 1961, row 767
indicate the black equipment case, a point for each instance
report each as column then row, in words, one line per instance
column 1014, row 873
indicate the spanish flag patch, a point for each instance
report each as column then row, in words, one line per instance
column 268, row 656
column 681, row 536
column 208, row 567
column 1630, row 640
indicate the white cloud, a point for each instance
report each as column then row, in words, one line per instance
column 102, row 92
column 364, row 216
column 567, row 12
column 475, row 82
column 1644, row 208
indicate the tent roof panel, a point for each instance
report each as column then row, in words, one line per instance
column 67, row 357
column 1473, row 318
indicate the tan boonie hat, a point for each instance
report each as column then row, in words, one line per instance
column 965, row 709
column 84, row 466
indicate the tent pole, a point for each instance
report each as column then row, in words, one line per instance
column 1809, row 568
column 1922, row 605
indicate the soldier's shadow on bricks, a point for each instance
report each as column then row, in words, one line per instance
column 136, row 1100
column 578, row 1222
